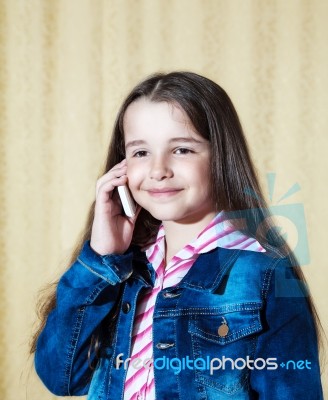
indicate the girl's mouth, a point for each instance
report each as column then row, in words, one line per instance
column 164, row 192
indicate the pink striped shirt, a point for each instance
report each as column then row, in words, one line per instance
column 139, row 383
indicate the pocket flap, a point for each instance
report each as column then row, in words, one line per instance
column 238, row 322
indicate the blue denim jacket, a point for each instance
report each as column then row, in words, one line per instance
column 267, row 348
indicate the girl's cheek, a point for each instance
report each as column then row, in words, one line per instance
column 129, row 167
column 132, row 178
column 136, row 172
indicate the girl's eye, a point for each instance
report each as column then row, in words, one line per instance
column 141, row 153
column 183, row 150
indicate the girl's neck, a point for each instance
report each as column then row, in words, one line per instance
column 178, row 234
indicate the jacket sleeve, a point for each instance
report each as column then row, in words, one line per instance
column 289, row 338
column 85, row 295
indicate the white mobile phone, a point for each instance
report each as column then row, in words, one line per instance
column 129, row 205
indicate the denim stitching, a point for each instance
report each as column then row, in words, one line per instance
column 94, row 293
column 267, row 278
column 76, row 333
column 195, row 350
column 176, row 355
column 208, row 310
column 175, row 340
column 96, row 273
column 155, row 377
column 229, row 338
column 72, row 348
column 232, row 307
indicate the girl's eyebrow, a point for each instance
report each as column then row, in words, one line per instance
column 183, row 139
column 133, row 143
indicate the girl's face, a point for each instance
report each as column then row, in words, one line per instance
column 168, row 162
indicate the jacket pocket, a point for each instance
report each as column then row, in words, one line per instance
column 223, row 345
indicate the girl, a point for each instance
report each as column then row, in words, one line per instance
column 196, row 296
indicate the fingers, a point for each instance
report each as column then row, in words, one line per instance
column 104, row 189
column 114, row 177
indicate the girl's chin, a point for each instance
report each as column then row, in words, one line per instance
column 172, row 216
column 178, row 215
column 165, row 215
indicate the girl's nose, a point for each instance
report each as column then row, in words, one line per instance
column 160, row 169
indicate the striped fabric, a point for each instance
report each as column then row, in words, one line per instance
column 139, row 383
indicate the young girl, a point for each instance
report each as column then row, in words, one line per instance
column 196, row 296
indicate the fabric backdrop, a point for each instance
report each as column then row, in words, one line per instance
column 65, row 66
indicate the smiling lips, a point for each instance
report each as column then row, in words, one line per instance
column 165, row 192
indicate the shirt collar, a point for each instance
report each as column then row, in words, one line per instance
column 220, row 232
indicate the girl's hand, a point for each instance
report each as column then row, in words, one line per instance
column 111, row 231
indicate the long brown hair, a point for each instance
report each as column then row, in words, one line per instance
column 235, row 186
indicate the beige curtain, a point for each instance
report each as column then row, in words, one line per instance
column 65, row 66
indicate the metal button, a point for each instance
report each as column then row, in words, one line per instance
column 164, row 346
column 169, row 295
column 126, row 307
column 223, row 330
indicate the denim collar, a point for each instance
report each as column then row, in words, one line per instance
column 209, row 269
column 205, row 274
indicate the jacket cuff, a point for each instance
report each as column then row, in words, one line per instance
column 114, row 268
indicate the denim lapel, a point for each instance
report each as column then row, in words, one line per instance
column 209, row 269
